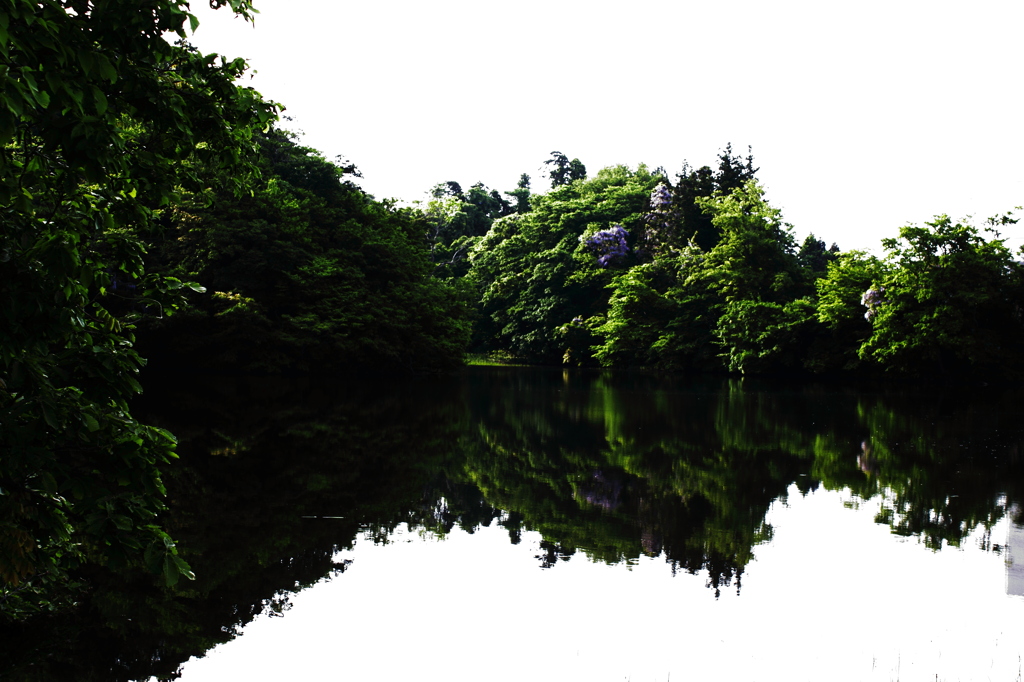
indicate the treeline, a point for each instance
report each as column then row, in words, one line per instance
column 700, row 273
column 625, row 268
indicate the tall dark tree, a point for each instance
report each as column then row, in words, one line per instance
column 693, row 183
column 814, row 256
column 448, row 189
column 521, row 194
column 562, row 171
column 485, row 206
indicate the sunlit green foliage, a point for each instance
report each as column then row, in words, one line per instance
column 755, row 271
column 841, row 310
column 742, row 300
column 949, row 304
column 535, row 271
column 704, row 275
column 456, row 220
column 662, row 314
column 682, row 220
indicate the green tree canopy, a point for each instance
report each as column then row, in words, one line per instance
column 737, row 301
column 102, row 121
column 949, row 303
column 539, row 271
column 308, row 273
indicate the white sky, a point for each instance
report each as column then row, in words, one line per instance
column 862, row 116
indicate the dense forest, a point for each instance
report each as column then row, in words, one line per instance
column 153, row 208
column 631, row 268
column 627, row 268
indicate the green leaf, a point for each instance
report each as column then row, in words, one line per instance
column 99, row 100
column 183, row 568
column 49, row 483
column 49, row 416
column 15, row 99
column 87, row 61
column 165, row 434
column 43, row 98
column 171, row 573
column 122, row 522
column 105, row 68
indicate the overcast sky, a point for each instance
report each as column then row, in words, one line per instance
column 862, row 116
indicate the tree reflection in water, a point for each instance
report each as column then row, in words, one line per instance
column 610, row 466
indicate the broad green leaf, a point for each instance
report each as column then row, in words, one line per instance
column 171, row 572
column 183, row 568
column 49, row 483
column 43, row 98
column 50, row 416
column 99, row 100
column 87, row 61
column 105, row 68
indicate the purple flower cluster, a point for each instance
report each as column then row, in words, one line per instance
column 871, row 299
column 658, row 231
column 661, row 197
column 609, row 245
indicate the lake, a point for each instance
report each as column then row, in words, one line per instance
column 513, row 523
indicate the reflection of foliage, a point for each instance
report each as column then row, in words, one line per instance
column 941, row 463
column 603, row 467
column 609, row 466
column 617, row 466
column 249, row 518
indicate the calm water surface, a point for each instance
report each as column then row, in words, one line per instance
column 513, row 523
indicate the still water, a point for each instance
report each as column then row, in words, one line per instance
column 512, row 523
